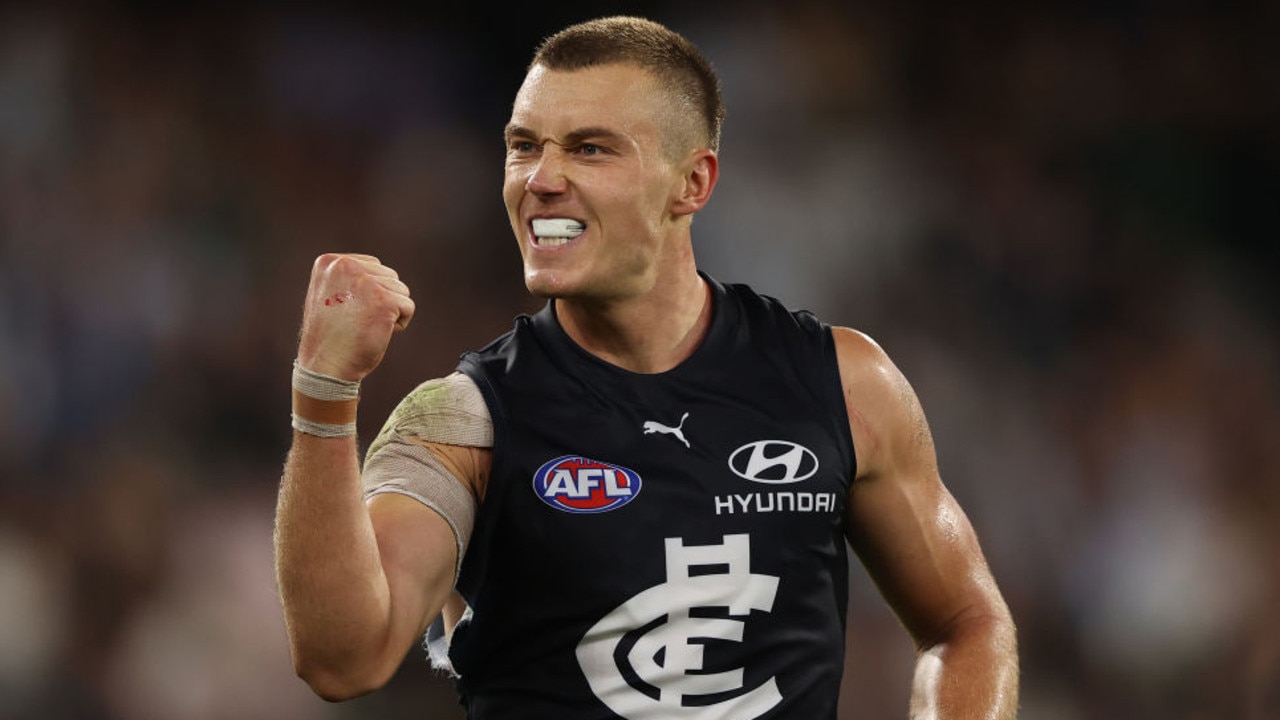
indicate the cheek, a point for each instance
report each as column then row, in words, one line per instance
column 512, row 187
column 515, row 177
column 512, row 193
column 635, row 201
column 655, row 207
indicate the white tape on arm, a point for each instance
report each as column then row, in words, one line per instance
column 407, row 468
column 449, row 411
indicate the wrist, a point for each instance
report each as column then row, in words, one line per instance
column 323, row 405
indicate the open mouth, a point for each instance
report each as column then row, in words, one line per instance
column 553, row 232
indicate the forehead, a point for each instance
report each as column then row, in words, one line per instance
column 620, row 96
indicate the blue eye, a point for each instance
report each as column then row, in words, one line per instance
column 523, row 147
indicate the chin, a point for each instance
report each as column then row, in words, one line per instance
column 548, row 285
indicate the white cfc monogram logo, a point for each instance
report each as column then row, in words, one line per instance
column 736, row 588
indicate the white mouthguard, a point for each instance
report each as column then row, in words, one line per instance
column 557, row 227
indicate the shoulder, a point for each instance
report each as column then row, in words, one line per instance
column 453, row 395
column 885, row 415
column 449, row 419
column 448, row 410
column 761, row 310
column 860, row 355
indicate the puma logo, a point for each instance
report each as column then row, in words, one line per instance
column 653, row 426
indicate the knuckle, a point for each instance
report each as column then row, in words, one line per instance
column 345, row 266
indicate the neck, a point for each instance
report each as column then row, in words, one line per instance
column 652, row 333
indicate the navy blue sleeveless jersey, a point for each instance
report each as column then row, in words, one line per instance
column 660, row 546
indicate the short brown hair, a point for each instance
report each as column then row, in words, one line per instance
column 669, row 56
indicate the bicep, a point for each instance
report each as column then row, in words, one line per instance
column 418, row 553
column 920, row 550
column 905, row 526
column 421, row 527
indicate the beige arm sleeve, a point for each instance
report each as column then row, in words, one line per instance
column 447, row 410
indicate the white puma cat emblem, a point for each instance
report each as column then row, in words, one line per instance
column 653, row 426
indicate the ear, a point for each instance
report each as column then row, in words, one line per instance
column 702, row 170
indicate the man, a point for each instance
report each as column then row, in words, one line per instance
column 642, row 494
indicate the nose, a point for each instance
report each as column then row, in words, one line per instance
column 548, row 175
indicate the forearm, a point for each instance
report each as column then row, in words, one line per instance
column 972, row 675
column 332, row 585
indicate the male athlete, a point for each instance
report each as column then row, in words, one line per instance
column 635, row 504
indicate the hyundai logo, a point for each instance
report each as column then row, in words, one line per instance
column 776, row 462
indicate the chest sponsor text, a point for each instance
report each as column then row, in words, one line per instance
column 781, row 501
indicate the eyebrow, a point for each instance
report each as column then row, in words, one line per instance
column 572, row 138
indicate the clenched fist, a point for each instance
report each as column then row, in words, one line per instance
column 354, row 304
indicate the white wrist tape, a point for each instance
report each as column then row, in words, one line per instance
column 324, row 430
column 323, row 389
column 319, row 386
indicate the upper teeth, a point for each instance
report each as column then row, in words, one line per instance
column 557, row 227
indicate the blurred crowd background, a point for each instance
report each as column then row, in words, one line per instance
column 1060, row 218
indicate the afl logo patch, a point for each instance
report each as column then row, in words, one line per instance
column 776, row 462
column 576, row 484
